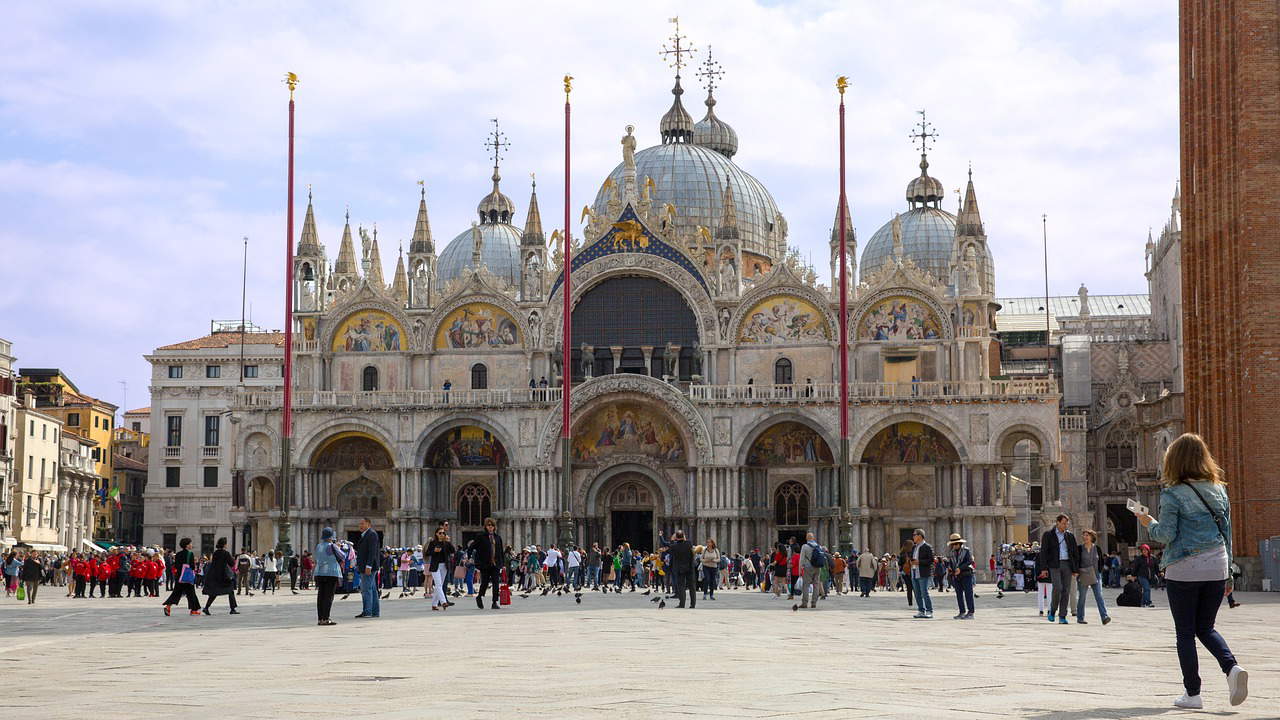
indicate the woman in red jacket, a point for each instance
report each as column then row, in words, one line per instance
column 102, row 573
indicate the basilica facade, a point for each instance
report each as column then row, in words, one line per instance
column 704, row 373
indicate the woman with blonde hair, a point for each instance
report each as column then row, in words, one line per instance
column 1195, row 527
column 710, row 557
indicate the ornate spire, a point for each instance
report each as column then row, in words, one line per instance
column 533, row 221
column 924, row 190
column 728, row 229
column 969, row 223
column 346, row 264
column 309, row 242
column 374, row 273
column 842, row 205
column 400, row 281
column 676, row 126
column 495, row 207
column 421, row 242
column 712, row 132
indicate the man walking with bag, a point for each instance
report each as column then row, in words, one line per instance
column 368, row 550
column 488, row 561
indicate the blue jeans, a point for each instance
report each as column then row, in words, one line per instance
column 369, row 594
column 593, row 575
column 963, row 585
column 709, row 577
column 1146, row 591
column 1194, row 606
column 575, row 576
column 1097, row 595
column 924, row 604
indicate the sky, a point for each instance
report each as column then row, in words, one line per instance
column 141, row 141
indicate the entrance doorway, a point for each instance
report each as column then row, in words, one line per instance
column 791, row 536
column 904, row 536
column 632, row 526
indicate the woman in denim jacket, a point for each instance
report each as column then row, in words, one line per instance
column 329, row 568
column 1195, row 526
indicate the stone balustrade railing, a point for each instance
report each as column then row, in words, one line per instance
column 305, row 399
column 877, row 391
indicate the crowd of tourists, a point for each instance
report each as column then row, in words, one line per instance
column 1194, row 567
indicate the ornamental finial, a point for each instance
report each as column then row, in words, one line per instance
column 291, row 79
column 568, row 86
column 842, row 84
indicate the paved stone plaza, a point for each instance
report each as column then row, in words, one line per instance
column 745, row 655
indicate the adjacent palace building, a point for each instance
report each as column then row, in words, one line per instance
column 704, row 370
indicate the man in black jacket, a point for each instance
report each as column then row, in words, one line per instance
column 1059, row 563
column 368, row 550
column 488, row 560
column 921, row 572
column 682, row 566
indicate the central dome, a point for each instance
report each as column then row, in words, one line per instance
column 500, row 253
column 693, row 179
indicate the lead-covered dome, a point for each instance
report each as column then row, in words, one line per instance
column 928, row 235
column 693, row 178
column 499, row 252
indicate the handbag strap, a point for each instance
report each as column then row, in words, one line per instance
column 1217, row 520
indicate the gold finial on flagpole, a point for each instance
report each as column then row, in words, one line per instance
column 568, row 85
column 842, row 83
column 291, row 79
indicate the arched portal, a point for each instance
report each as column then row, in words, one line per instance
column 909, row 459
column 793, row 459
column 360, row 475
column 629, row 506
column 633, row 313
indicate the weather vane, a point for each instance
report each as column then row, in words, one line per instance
column 497, row 141
column 710, row 72
column 679, row 46
column 926, row 134
column 291, row 79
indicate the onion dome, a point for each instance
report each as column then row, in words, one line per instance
column 711, row 131
column 496, row 207
column 677, row 125
column 924, row 190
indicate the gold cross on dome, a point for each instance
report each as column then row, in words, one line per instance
column 497, row 142
column 926, row 134
column 679, row 47
column 710, row 72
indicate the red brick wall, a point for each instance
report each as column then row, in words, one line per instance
column 1230, row 153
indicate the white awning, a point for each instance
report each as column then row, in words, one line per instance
column 47, row 547
column 89, row 545
column 8, row 541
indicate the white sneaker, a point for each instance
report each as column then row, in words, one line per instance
column 1238, row 684
column 1190, row 702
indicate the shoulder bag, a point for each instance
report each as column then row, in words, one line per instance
column 1217, row 519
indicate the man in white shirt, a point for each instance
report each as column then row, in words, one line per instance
column 551, row 563
column 574, row 561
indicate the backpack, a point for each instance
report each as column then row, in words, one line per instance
column 817, row 558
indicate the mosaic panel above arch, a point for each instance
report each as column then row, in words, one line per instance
column 369, row 331
column 789, row 443
column 899, row 317
column 351, row 451
column 467, row 446
column 782, row 319
column 910, row 443
column 477, row 325
column 627, row 428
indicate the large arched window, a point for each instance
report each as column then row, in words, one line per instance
column 791, row 504
column 369, row 379
column 782, row 372
column 479, row 377
column 633, row 313
column 473, row 504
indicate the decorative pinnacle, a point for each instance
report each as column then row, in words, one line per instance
column 533, row 180
column 422, row 189
column 710, row 73
column 291, row 79
column 677, row 48
column 842, row 84
column 568, row 85
column 308, row 192
column 926, row 134
column 497, row 142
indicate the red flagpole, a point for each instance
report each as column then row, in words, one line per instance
column 286, row 420
column 566, row 457
column 846, row 525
